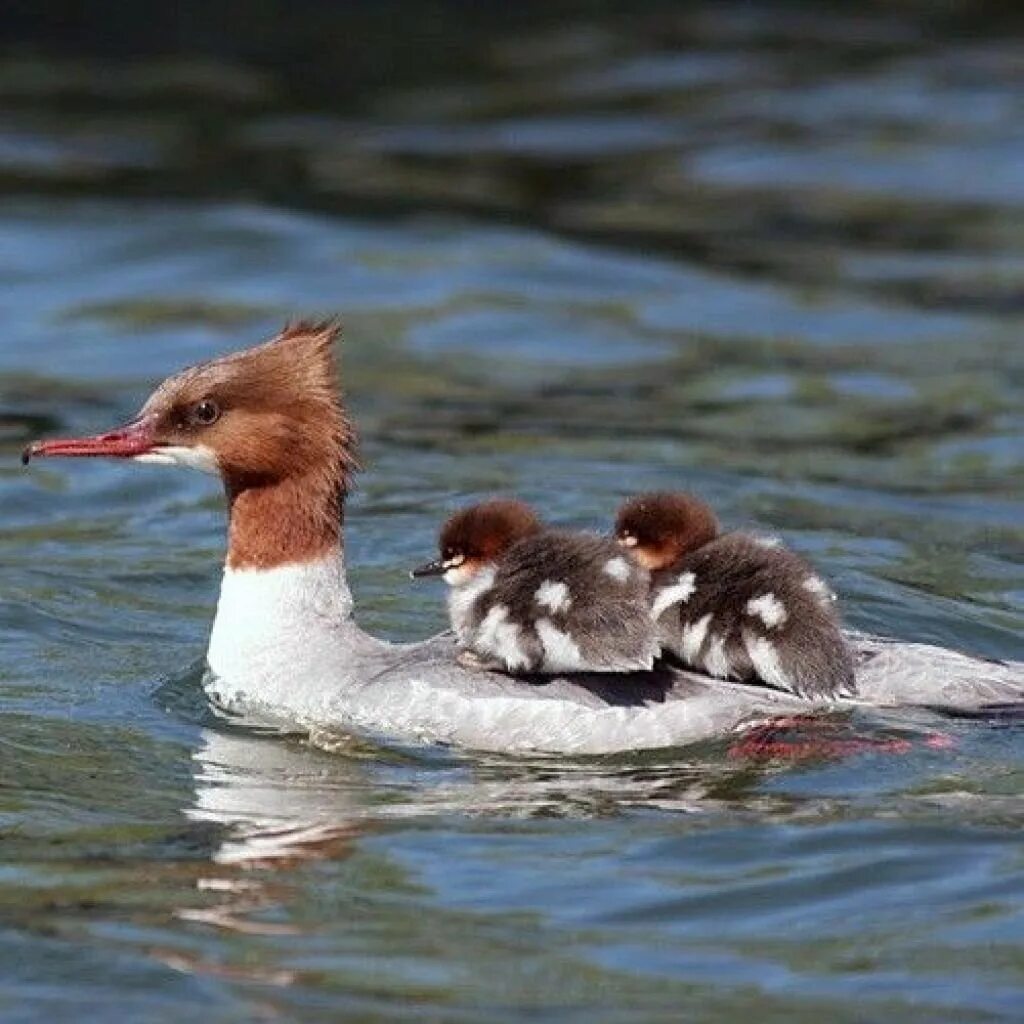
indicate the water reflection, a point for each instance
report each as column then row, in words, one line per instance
column 280, row 806
column 331, row 865
column 281, row 801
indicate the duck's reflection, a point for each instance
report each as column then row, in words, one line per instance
column 268, row 808
column 279, row 801
column 269, row 805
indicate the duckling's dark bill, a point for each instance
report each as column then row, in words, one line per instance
column 435, row 568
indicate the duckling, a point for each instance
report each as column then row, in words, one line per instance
column 529, row 599
column 736, row 605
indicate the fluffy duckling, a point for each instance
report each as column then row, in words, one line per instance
column 528, row 599
column 736, row 605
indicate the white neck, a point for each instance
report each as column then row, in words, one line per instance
column 463, row 595
column 282, row 631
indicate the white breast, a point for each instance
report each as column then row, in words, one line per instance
column 279, row 629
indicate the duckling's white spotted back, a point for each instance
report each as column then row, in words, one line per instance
column 558, row 602
column 738, row 608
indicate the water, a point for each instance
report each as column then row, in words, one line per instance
column 616, row 262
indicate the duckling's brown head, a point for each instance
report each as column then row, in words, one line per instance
column 660, row 527
column 478, row 535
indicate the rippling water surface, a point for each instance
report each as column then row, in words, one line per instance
column 793, row 284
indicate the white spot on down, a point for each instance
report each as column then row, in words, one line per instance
column 675, row 593
column 553, row 595
column 769, row 609
column 765, row 541
column 765, row 659
column 463, row 596
column 497, row 636
column 693, row 638
column 617, row 568
column 560, row 651
column 716, row 661
column 820, row 589
column 196, row 456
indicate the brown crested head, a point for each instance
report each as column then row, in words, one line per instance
column 264, row 415
column 479, row 534
column 268, row 420
column 258, row 416
column 662, row 526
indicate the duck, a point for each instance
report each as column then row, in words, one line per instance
column 736, row 605
column 528, row 599
column 285, row 649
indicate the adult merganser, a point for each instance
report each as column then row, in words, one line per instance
column 736, row 605
column 526, row 599
column 285, row 645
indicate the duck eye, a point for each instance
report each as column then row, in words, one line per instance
column 206, row 412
